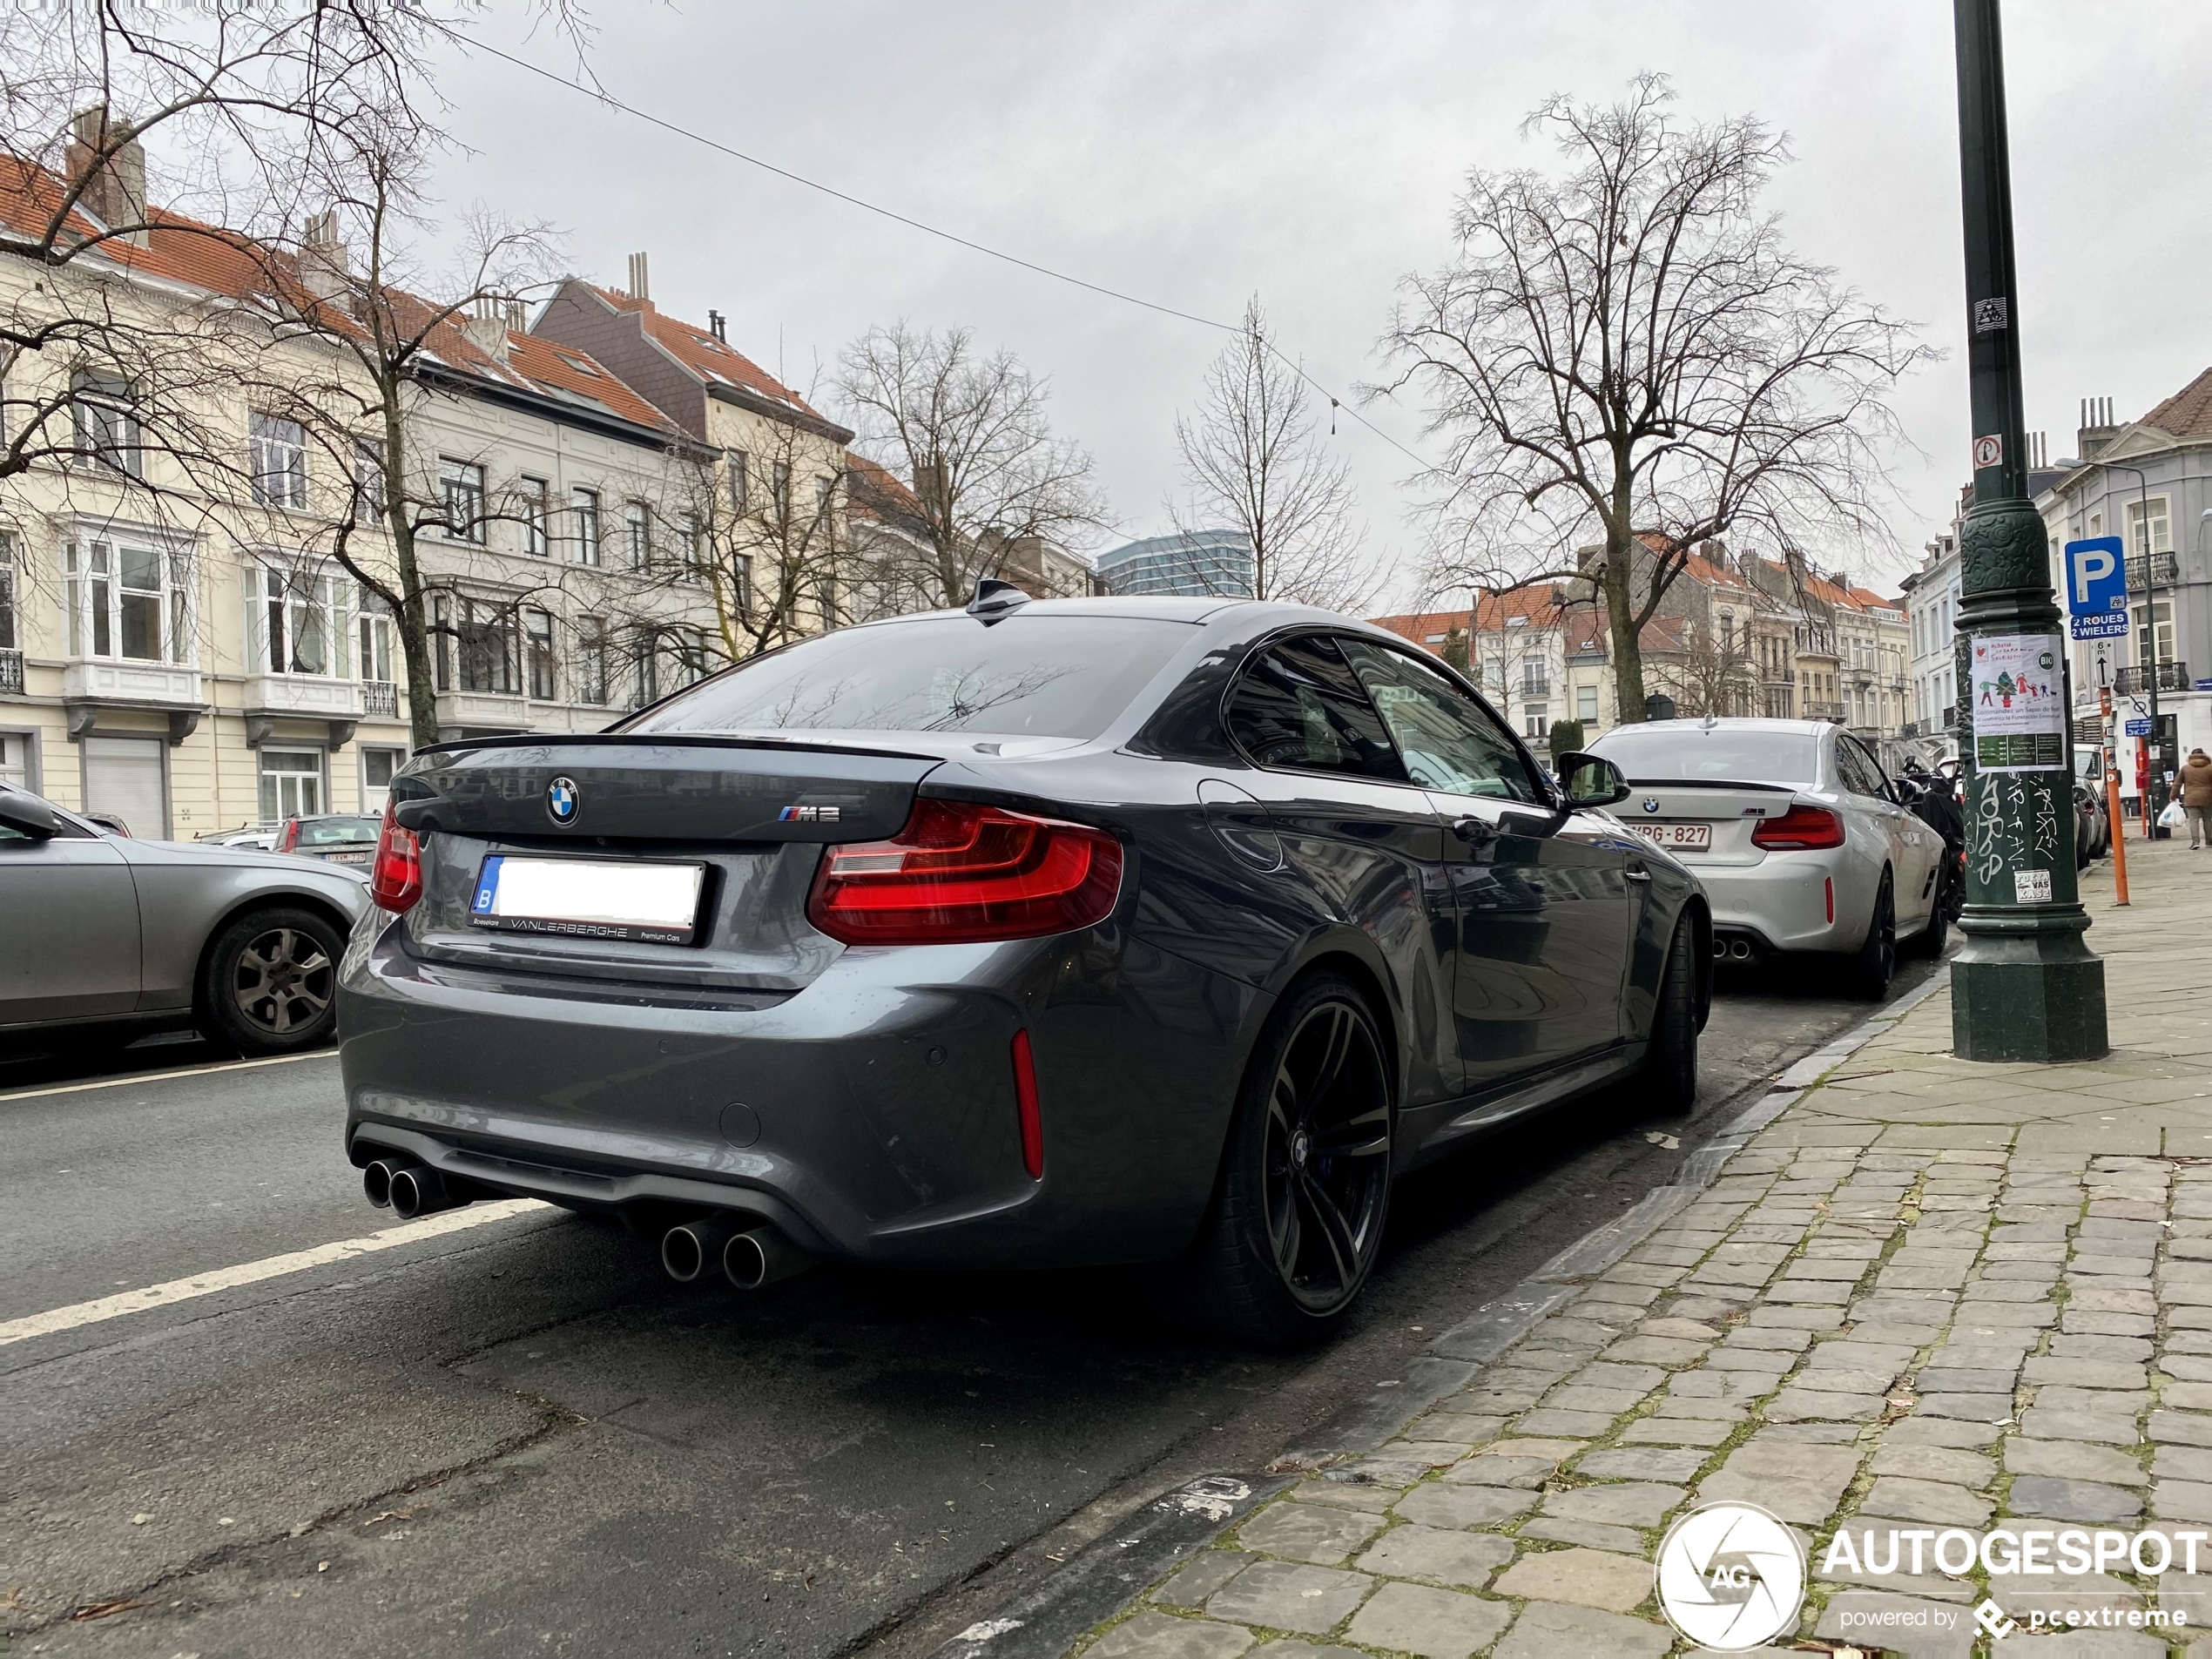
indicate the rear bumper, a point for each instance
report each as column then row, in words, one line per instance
column 1781, row 903
column 871, row 1116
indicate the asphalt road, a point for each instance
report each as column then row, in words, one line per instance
column 521, row 1438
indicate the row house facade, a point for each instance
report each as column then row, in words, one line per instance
column 180, row 646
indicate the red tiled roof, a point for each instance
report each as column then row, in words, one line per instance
column 2188, row 414
column 1543, row 606
column 699, row 351
column 872, row 483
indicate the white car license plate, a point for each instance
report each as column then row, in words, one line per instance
column 1677, row 837
column 345, row 857
column 653, row 904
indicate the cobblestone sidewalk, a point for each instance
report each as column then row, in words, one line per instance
column 1928, row 1293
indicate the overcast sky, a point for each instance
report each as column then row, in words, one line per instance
column 1195, row 153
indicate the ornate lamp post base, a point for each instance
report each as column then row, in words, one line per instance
column 2029, row 994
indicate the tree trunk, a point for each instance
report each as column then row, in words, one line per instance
column 1620, row 614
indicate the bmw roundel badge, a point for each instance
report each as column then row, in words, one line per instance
column 563, row 799
column 1650, row 805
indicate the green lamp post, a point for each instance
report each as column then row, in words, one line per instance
column 2024, row 986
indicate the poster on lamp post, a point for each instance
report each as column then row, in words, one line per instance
column 2018, row 703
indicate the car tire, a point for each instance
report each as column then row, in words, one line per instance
column 1872, row 967
column 1280, row 1262
column 1931, row 939
column 269, row 982
column 1668, row 1082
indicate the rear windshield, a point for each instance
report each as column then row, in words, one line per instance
column 337, row 831
column 1724, row 754
column 1033, row 676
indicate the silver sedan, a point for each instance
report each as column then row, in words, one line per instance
column 102, row 935
column 1801, row 841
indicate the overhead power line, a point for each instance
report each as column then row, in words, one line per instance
column 600, row 95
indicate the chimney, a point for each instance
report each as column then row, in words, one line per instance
column 486, row 330
column 639, row 287
column 324, row 264
column 717, row 325
column 115, row 192
column 2097, row 428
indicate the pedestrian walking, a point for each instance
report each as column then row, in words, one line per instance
column 2194, row 783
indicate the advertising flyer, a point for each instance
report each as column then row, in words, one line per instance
column 2018, row 703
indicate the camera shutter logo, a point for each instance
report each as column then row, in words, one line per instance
column 1731, row 1577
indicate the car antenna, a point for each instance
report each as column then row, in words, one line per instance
column 1712, row 721
column 995, row 601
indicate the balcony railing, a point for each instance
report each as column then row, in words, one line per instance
column 11, row 671
column 380, row 699
column 2165, row 571
column 1823, row 711
column 1535, row 688
column 2172, row 677
column 1950, row 716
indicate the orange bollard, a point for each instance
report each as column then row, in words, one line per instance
column 2119, row 839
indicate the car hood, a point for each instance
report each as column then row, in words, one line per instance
column 149, row 851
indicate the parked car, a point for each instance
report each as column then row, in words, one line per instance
column 109, row 824
column 2093, row 822
column 1054, row 933
column 104, row 934
column 335, row 839
column 260, row 836
column 1799, row 838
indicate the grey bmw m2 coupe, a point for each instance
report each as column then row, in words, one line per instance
column 1044, row 933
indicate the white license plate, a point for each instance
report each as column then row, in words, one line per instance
column 345, row 857
column 1677, row 837
column 653, row 904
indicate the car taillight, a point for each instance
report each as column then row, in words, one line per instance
column 960, row 873
column 1800, row 829
column 290, row 837
column 395, row 879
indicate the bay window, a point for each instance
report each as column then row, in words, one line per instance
column 126, row 600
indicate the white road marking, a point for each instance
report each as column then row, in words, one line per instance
column 158, row 1077
column 228, row 1279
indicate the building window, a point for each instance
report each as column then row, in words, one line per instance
column 375, row 625
column 2151, row 514
column 9, row 639
column 105, row 421
column 277, row 455
column 537, row 627
column 2163, row 614
column 291, row 784
column 369, row 483
column 741, row 581
column 696, row 551
column 302, row 625
column 740, row 483
column 1586, row 704
column 779, row 492
column 1535, row 720
column 484, row 638
column 691, row 650
column 127, row 602
column 822, row 487
column 538, row 540
column 378, row 768
column 645, row 668
column 636, row 529
column 461, row 485
column 585, row 505
column 591, row 660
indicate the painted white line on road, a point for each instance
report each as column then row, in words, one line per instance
column 156, row 1077
column 229, row 1278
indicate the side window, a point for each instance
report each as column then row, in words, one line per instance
column 1298, row 707
column 1448, row 741
column 1861, row 776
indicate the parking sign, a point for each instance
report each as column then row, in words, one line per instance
column 2096, row 588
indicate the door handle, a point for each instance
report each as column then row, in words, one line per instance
column 1638, row 875
column 1475, row 832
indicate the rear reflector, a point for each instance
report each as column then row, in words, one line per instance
column 1025, row 1103
column 1828, row 893
column 960, row 873
column 395, row 879
column 1800, row 829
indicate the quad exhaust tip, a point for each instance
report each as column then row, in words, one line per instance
column 1732, row 950
column 749, row 1259
column 408, row 1188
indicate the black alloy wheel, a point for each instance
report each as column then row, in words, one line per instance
column 1305, row 1189
column 270, row 983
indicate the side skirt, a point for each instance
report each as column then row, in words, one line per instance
column 1433, row 1130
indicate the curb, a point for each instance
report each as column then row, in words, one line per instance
column 1099, row 1581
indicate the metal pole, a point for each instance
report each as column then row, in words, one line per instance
column 2025, row 987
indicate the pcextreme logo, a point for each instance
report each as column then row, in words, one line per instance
column 1732, row 1576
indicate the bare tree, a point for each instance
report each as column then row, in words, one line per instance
column 777, row 562
column 970, row 431
column 1709, row 676
column 1255, row 464
column 1624, row 359
column 243, row 100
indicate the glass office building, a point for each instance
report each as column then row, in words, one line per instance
column 1199, row 564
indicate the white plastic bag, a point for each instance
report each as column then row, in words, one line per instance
column 2172, row 817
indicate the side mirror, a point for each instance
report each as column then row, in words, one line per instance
column 1591, row 780
column 28, row 815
